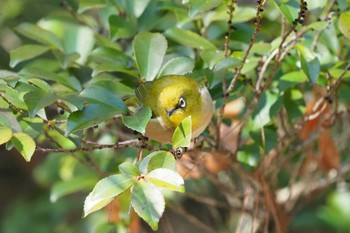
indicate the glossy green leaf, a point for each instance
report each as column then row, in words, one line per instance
column 291, row 79
column 89, row 116
column 6, row 135
column 289, row 9
column 227, row 63
column 36, row 100
column 189, row 38
column 177, row 65
column 44, row 86
column 267, row 108
column 199, row 6
column 77, row 183
column 182, row 134
column 15, row 98
column 40, row 35
column 148, row 202
column 309, row 62
column 99, row 95
column 160, row 159
column 167, row 179
column 31, row 126
column 24, row 144
column 111, row 67
column 212, row 57
column 149, row 50
column 138, row 122
column 344, row 24
column 129, row 169
column 135, row 7
column 63, row 78
column 105, row 191
column 26, row 52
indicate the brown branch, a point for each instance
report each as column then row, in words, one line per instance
column 231, row 9
column 227, row 91
column 119, row 145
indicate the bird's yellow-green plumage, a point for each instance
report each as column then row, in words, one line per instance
column 172, row 98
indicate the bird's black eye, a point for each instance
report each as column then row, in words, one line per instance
column 182, row 103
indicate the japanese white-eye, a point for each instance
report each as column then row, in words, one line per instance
column 172, row 98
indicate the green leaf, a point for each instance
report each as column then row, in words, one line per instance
column 91, row 115
column 157, row 159
column 8, row 75
column 267, row 108
column 177, row 65
column 148, row 202
column 149, row 50
column 129, row 169
column 160, row 160
column 344, row 25
column 291, row 79
column 105, row 191
column 40, row 35
column 122, row 27
column 6, row 135
column 319, row 25
column 189, row 38
column 41, row 73
column 212, row 57
column 99, row 95
column 138, row 121
column 182, row 134
column 85, row 5
column 36, row 100
column 40, row 84
column 26, row 52
column 294, row 99
column 15, row 98
column 31, row 126
column 199, row 6
column 24, row 144
column 57, row 136
column 227, row 63
column 9, row 121
column 78, row 183
column 309, row 62
column 289, row 9
column 135, row 7
column 167, row 179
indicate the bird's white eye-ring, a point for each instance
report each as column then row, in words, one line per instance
column 182, row 103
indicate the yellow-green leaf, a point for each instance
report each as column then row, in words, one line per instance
column 24, row 144
column 6, row 135
column 182, row 134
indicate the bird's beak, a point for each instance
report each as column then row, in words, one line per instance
column 170, row 112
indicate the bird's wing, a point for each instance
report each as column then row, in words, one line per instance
column 141, row 90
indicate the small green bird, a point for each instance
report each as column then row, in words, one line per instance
column 172, row 98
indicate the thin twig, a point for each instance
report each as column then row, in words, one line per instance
column 119, row 145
